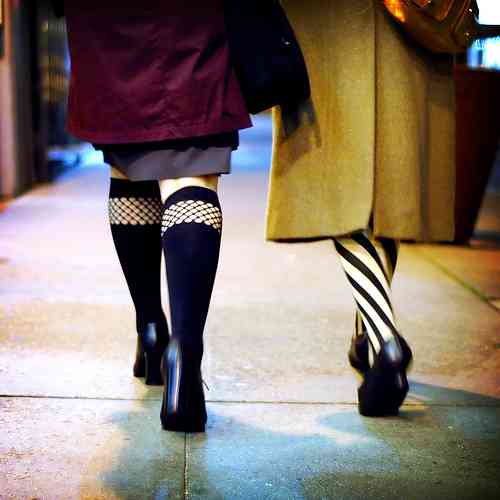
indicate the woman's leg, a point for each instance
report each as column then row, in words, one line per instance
column 388, row 250
column 370, row 285
column 135, row 217
column 385, row 384
column 191, row 236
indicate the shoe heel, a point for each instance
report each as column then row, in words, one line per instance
column 139, row 363
column 358, row 354
column 152, row 368
column 151, row 343
column 382, row 391
column 183, row 404
column 180, row 423
column 140, row 368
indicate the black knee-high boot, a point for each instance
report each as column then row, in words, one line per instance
column 385, row 385
column 191, row 227
column 135, row 217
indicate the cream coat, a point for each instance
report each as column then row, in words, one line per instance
column 377, row 137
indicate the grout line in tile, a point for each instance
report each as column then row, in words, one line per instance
column 258, row 402
column 475, row 291
column 83, row 398
column 186, row 493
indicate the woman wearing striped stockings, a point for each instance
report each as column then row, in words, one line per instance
column 366, row 162
column 377, row 350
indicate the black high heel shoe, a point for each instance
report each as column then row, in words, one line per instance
column 183, row 406
column 385, row 385
column 358, row 354
column 152, row 341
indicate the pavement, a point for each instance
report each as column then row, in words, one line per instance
column 283, row 420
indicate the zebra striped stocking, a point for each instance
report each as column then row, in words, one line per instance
column 370, row 276
column 389, row 249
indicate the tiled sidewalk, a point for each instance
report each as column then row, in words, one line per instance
column 283, row 421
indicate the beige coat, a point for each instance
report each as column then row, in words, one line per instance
column 376, row 138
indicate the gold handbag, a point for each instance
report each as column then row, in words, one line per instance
column 446, row 26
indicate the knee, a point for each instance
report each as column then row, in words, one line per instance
column 170, row 186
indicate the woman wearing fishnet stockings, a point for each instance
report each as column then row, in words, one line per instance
column 184, row 217
column 152, row 88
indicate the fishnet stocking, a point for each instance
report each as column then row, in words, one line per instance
column 135, row 211
column 197, row 211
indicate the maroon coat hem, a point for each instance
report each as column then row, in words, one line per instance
column 150, row 71
column 160, row 133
